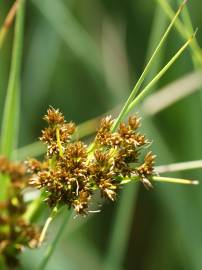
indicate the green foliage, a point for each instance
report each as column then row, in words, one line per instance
column 63, row 66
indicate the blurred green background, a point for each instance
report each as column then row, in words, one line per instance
column 84, row 57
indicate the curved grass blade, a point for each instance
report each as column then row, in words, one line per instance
column 147, row 69
column 148, row 88
column 8, row 22
column 184, row 30
column 10, row 122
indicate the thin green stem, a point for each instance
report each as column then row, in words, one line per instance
column 196, row 63
column 158, row 28
column 8, row 133
column 47, row 224
column 164, row 179
column 182, row 29
column 148, row 88
column 50, row 249
column 146, row 70
column 10, row 121
column 175, row 180
column 121, row 228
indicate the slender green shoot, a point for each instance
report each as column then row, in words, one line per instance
column 121, row 228
column 50, row 249
column 9, row 129
column 155, row 178
column 148, row 88
column 147, row 68
column 183, row 30
column 49, row 220
column 8, row 133
column 175, row 180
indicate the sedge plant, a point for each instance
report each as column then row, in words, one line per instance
column 71, row 172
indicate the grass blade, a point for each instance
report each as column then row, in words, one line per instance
column 172, row 93
column 146, row 70
column 121, row 228
column 10, row 122
column 8, row 130
column 183, row 30
column 174, row 180
column 50, row 249
column 148, row 88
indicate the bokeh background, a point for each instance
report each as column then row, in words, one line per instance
column 84, row 57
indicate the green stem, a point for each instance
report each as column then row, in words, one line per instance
column 175, row 180
column 182, row 29
column 50, row 249
column 8, row 133
column 10, row 121
column 147, row 89
column 47, row 224
column 146, row 70
column 121, row 228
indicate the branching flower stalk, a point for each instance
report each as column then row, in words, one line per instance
column 70, row 175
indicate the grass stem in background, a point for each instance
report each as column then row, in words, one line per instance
column 147, row 89
column 50, row 249
column 8, row 22
column 9, row 126
column 174, row 180
column 182, row 29
column 121, row 228
column 146, row 70
column 47, row 224
column 10, row 122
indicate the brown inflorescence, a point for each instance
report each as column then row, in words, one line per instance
column 16, row 233
column 72, row 171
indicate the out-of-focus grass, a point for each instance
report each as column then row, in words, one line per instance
column 165, row 233
column 10, row 119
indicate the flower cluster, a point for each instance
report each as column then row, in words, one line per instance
column 73, row 171
column 16, row 233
